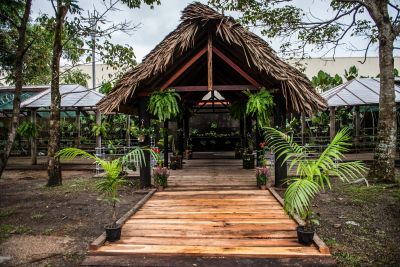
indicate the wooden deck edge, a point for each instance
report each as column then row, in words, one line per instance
column 98, row 242
column 322, row 247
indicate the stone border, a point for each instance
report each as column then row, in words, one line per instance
column 102, row 238
column 322, row 247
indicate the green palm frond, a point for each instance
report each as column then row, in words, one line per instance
column 349, row 171
column 70, row 153
column 283, row 145
column 299, row 194
column 164, row 104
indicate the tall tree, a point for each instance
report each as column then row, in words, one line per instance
column 11, row 17
column 376, row 20
column 54, row 169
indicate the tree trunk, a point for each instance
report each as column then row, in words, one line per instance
column 54, row 168
column 383, row 166
column 19, row 81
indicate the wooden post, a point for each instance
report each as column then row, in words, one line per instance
column 78, row 127
column 144, row 116
column 186, row 129
column 209, row 62
column 241, row 130
column 33, row 140
column 248, row 130
column 257, row 146
column 179, row 137
column 332, row 122
column 128, row 133
column 98, row 122
column 280, row 118
column 165, row 143
column 357, row 124
column 303, row 128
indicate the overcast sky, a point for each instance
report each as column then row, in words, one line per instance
column 156, row 23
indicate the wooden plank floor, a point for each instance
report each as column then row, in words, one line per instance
column 228, row 222
column 211, row 209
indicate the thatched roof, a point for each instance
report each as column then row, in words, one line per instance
column 249, row 51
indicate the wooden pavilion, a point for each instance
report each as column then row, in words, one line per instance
column 210, row 52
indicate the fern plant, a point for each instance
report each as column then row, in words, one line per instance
column 260, row 105
column 100, row 129
column 109, row 184
column 164, row 105
column 312, row 175
column 27, row 129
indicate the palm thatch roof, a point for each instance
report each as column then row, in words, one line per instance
column 248, row 50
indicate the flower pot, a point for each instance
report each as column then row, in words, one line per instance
column 160, row 188
column 178, row 161
column 248, row 161
column 113, row 233
column 263, row 187
column 304, row 236
column 173, row 165
column 238, row 153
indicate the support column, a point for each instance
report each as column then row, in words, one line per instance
column 241, row 130
column 357, row 124
column 257, row 146
column 33, row 139
column 78, row 128
column 303, row 128
column 186, row 130
column 166, row 144
column 248, row 130
column 128, row 133
column 98, row 122
column 332, row 122
column 179, row 137
column 279, row 120
column 144, row 116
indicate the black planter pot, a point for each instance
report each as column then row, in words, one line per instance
column 113, row 233
column 248, row 161
column 173, row 165
column 305, row 237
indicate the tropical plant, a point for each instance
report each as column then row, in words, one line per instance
column 237, row 110
column 100, row 129
column 164, row 104
column 263, row 174
column 312, row 175
column 109, row 184
column 260, row 105
column 351, row 74
column 324, row 81
column 160, row 175
column 27, row 130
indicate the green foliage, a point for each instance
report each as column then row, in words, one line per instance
column 76, row 76
column 100, row 129
column 109, row 184
column 164, row 104
column 260, row 105
column 237, row 110
column 27, row 129
column 351, row 74
column 324, row 81
column 312, row 175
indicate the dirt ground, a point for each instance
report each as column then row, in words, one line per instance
column 41, row 226
column 359, row 223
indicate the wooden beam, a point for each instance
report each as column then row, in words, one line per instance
column 234, row 87
column 183, row 68
column 209, row 62
column 332, row 122
column 235, row 67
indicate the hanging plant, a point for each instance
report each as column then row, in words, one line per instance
column 164, row 104
column 237, row 110
column 260, row 105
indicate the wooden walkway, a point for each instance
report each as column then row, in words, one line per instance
column 212, row 224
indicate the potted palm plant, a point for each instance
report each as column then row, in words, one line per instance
column 110, row 183
column 311, row 175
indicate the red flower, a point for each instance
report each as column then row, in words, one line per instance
column 156, row 150
column 262, row 145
